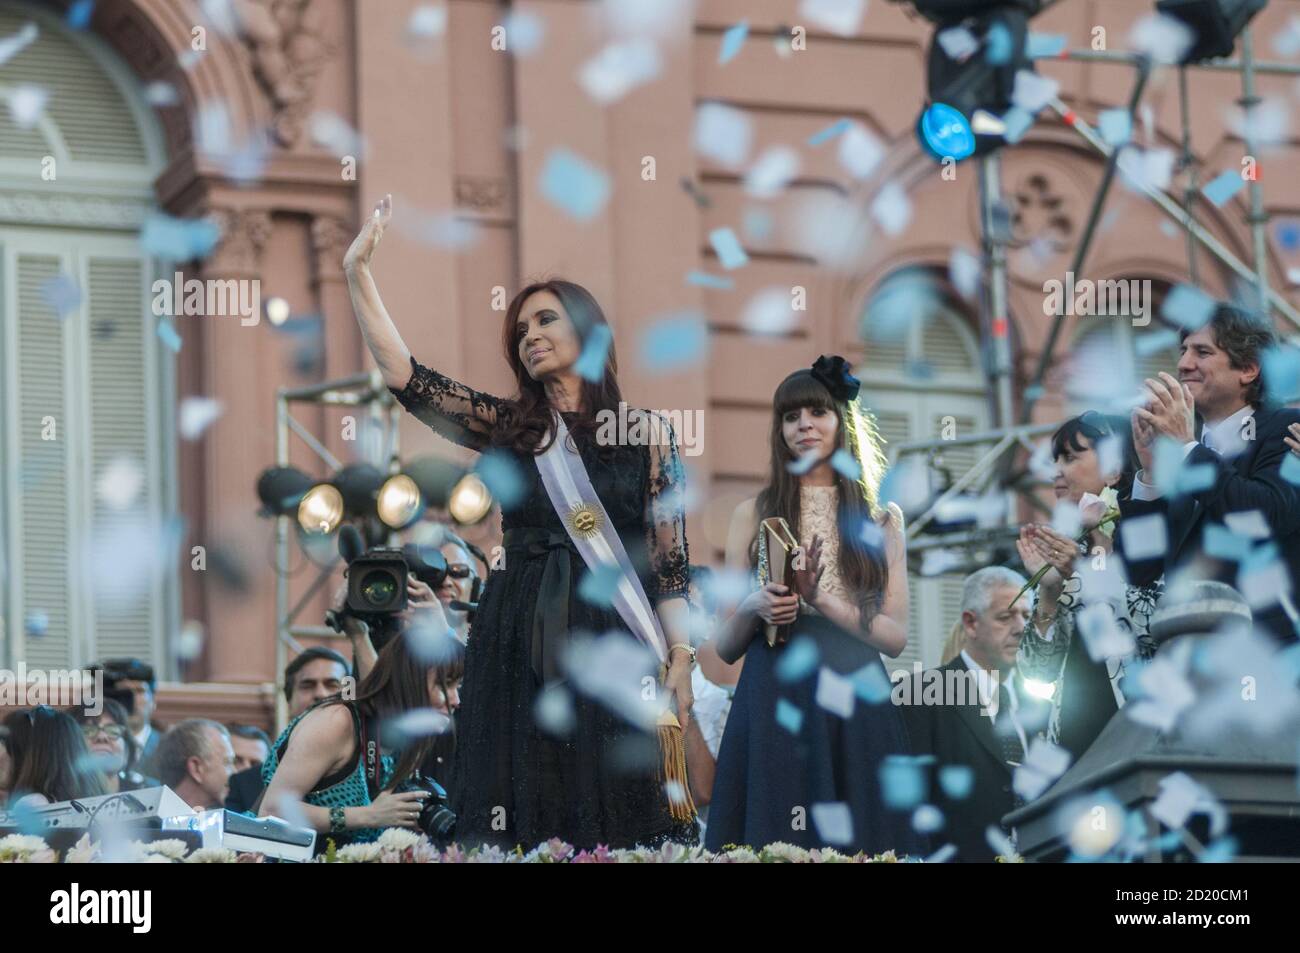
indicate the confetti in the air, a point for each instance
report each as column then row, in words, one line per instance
column 835, row 693
column 769, row 312
column 1223, row 187
column 595, row 350
column 574, row 185
column 178, row 239
column 501, row 476
column 771, row 172
column 834, row 823
column 838, row 16
column 732, row 42
column 674, row 343
column 892, row 209
column 1163, row 38
column 788, row 716
column 798, row 660
column 27, row 104
column 197, row 414
column 1043, row 45
column 1115, row 126
column 11, row 46
column 61, row 294
column 1188, row 306
column 902, row 782
column 728, row 248
column 723, row 134
column 839, row 127
column 600, row 584
column 860, row 152
column 958, row 43
column 618, row 69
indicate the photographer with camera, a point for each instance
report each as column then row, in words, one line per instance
column 330, row 769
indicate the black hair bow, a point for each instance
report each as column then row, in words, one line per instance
column 833, row 371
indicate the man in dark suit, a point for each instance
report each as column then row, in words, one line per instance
column 1233, row 497
column 977, row 737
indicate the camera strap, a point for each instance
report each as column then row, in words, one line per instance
column 370, row 755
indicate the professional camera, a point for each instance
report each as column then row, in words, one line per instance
column 437, row 819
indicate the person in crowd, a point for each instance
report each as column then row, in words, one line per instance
column 50, row 760
column 712, row 702
column 579, row 787
column 953, row 645
column 314, row 674
column 195, row 759
column 462, row 584
column 112, row 746
column 133, row 679
column 981, row 720
column 251, row 746
column 318, row 773
column 784, row 748
column 1094, row 459
column 1220, row 416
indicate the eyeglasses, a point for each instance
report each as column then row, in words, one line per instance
column 458, row 571
column 115, row 732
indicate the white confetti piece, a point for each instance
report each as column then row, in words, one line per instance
column 27, row 104
column 835, row 693
column 427, row 22
column 197, row 414
column 772, row 172
column 770, row 312
column 860, row 152
column 958, row 42
column 834, row 823
column 120, row 483
column 965, row 271
column 892, row 209
column 618, row 69
column 723, row 134
column 1032, row 92
column 11, row 46
column 838, row 16
column 1163, row 38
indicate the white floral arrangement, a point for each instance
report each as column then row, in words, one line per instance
column 397, row 846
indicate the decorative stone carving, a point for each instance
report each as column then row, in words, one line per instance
column 482, row 193
column 287, row 50
column 1047, row 205
column 91, row 211
column 243, row 236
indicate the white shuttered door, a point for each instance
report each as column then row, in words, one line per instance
column 82, row 436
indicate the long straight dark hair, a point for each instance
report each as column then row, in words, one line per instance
column 52, row 758
column 862, row 566
column 399, row 683
column 525, row 422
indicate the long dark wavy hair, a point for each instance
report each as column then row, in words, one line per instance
column 398, row 683
column 525, row 422
column 862, row 566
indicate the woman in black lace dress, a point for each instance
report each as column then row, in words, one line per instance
column 592, row 780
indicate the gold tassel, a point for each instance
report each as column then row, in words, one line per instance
column 672, row 770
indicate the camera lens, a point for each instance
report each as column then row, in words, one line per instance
column 379, row 588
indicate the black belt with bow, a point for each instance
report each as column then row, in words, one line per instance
column 551, row 615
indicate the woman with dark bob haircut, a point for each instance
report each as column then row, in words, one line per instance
column 1095, row 466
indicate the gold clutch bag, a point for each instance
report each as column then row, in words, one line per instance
column 776, row 547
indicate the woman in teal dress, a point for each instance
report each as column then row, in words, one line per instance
column 317, row 774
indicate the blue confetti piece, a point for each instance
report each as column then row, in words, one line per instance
column 1291, row 469
column 1188, row 307
column 918, row 370
column 61, row 294
column 1221, row 851
column 727, row 247
column 600, row 584
column 956, row 781
column 1224, row 186
column 758, row 225
column 591, row 364
column 1115, row 126
column 178, row 239
column 1281, row 366
column 1222, row 543
column 167, row 334
column 574, row 185
column 799, row 658
column 79, row 14
column 36, row 623
column 1040, row 46
column 732, row 41
column 674, row 343
column 837, row 128
column 927, row 819
column 1196, row 478
column 1288, row 235
column 872, row 685
column 1153, row 341
column 998, row 45
column 705, row 280
column 788, row 716
column 502, row 477
column 803, row 464
column 901, row 782
column 844, row 463
column 1018, row 121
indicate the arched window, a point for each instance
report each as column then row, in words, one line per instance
column 923, row 370
column 87, row 531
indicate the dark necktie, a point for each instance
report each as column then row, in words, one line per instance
column 1013, row 752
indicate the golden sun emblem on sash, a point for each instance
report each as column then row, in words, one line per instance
column 585, row 520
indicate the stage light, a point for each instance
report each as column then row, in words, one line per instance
column 399, row 503
column 470, row 500
column 968, row 97
column 359, row 483
column 950, row 11
column 281, row 489
column 321, row 509
column 944, row 131
column 1216, row 23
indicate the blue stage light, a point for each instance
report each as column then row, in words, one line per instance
column 944, row 131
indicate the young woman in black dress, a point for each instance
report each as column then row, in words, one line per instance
column 517, row 781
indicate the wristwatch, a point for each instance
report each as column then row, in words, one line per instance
column 337, row 822
column 690, row 650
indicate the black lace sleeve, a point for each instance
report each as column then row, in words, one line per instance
column 665, row 512
column 457, row 412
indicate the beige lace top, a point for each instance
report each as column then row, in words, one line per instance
column 818, row 516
